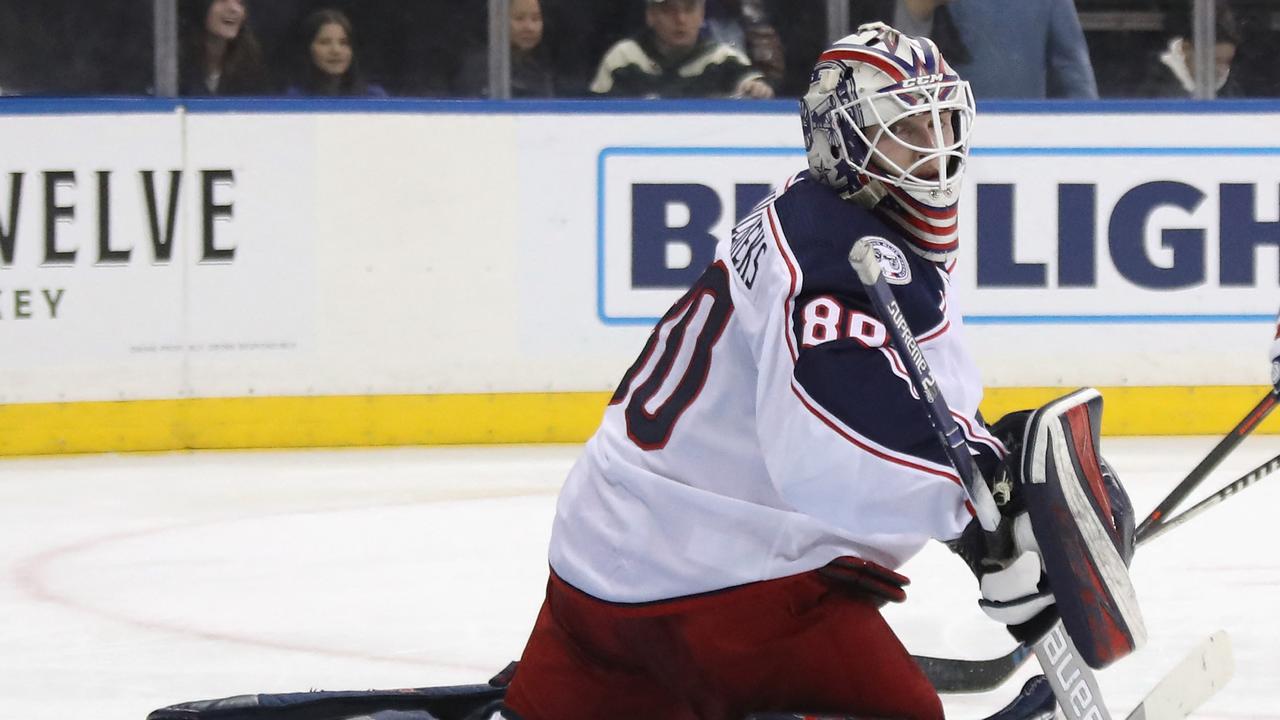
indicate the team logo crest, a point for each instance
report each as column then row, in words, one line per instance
column 893, row 263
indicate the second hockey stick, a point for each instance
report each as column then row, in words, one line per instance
column 1201, row 674
column 1244, row 481
column 1253, row 419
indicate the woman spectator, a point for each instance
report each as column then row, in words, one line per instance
column 532, row 71
column 220, row 55
column 330, row 65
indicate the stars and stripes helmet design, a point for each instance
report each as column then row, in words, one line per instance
column 861, row 90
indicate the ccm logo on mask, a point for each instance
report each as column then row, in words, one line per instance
column 922, row 80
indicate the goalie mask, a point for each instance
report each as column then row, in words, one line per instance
column 878, row 93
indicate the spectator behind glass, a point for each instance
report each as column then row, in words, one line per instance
column 1172, row 72
column 329, row 63
column 744, row 24
column 533, row 75
column 220, row 55
column 802, row 27
column 928, row 18
column 1023, row 49
column 1255, row 67
column 672, row 59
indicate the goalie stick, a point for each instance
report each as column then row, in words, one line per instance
column 865, row 262
column 1067, row 659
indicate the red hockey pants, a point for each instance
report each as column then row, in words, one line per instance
column 801, row 643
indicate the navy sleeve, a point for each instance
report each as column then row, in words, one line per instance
column 845, row 364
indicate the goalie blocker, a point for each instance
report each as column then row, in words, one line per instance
column 1083, row 525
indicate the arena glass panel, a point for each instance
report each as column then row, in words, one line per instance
column 72, row 47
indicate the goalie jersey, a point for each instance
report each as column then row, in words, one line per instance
column 767, row 427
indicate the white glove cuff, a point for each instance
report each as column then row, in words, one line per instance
column 1019, row 612
column 1012, row 595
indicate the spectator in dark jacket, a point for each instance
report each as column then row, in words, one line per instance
column 330, row 64
column 220, row 54
column 533, row 74
column 673, row 59
column 1172, row 73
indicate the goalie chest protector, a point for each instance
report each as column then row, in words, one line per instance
column 1072, row 520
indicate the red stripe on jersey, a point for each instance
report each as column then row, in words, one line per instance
column 895, row 365
column 936, row 332
column 868, row 57
column 979, row 434
column 788, row 305
column 848, row 435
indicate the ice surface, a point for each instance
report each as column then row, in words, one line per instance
column 133, row 582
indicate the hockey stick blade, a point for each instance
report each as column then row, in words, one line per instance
column 1033, row 702
column 1201, row 674
column 950, row 675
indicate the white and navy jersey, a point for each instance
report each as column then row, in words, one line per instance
column 767, row 428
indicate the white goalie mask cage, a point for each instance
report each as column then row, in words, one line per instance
column 865, row 94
